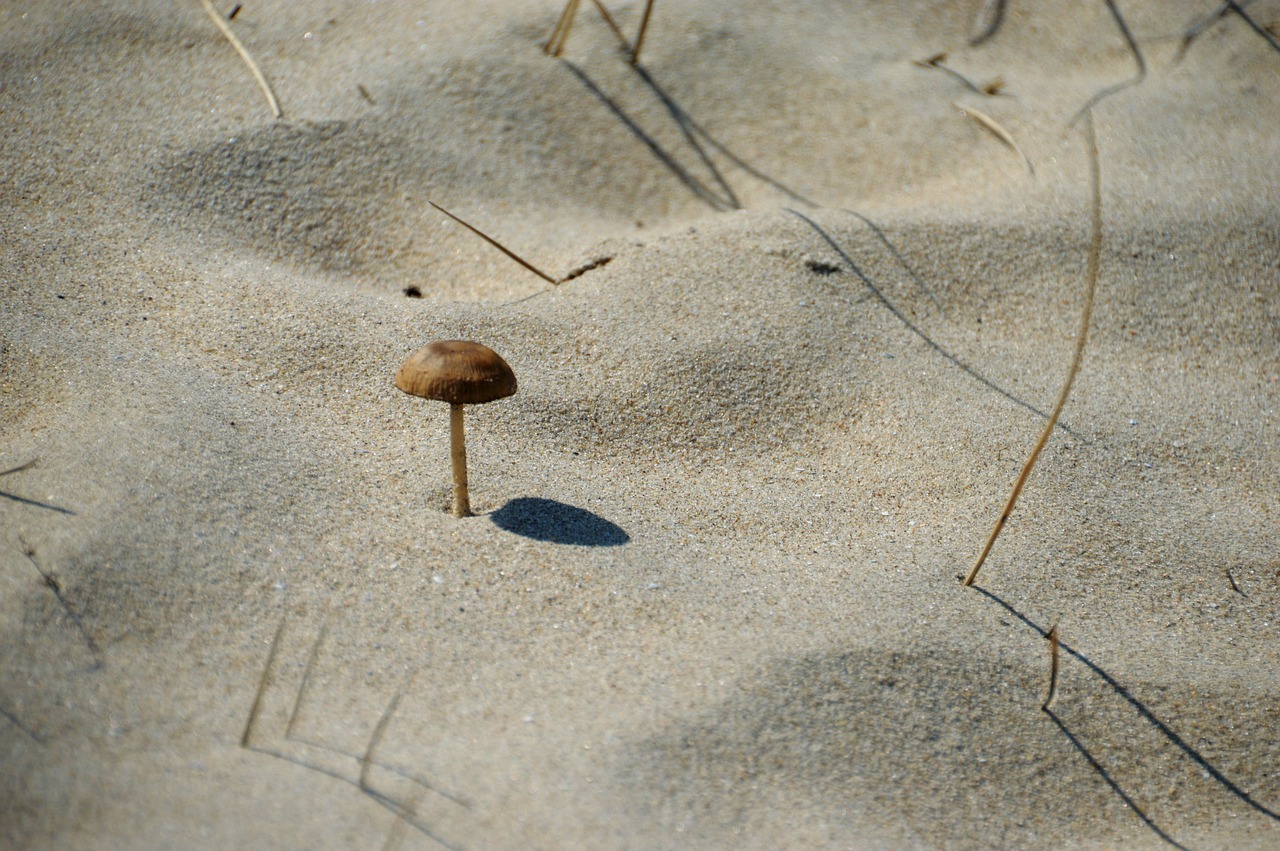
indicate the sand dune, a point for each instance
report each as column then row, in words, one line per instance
column 817, row 317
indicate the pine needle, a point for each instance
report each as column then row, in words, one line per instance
column 1091, row 286
column 225, row 28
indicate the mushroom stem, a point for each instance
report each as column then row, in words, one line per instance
column 458, row 455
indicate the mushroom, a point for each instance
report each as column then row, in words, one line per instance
column 460, row 373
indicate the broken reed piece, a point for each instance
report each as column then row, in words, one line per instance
column 225, row 29
column 1053, row 669
column 498, row 245
column 1082, row 336
column 458, row 372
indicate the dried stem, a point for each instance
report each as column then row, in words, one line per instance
column 644, row 27
column 555, row 43
column 1091, row 286
column 225, row 28
column 498, row 245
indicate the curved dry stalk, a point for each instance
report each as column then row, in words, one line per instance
column 1091, row 286
column 225, row 28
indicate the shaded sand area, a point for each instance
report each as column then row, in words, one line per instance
column 711, row 595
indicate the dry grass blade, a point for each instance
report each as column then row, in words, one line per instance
column 1000, row 133
column 225, row 28
column 1053, row 669
column 498, row 245
column 555, row 44
column 1091, row 286
column 644, row 27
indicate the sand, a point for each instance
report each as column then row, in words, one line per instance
column 711, row 595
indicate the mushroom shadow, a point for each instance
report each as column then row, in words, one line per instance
column 548, row 520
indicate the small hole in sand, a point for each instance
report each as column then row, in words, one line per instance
column 820, row 268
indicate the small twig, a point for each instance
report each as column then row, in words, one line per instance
column 1091, row 286
column 1000, row 133
column 225, row 29
column 20, row 467
column 1053, row 669
column 498, row 245
column 1234, row 587
column 644, row 26
column 262, row 687
column 55, row 586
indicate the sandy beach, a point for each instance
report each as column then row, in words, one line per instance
column 820, row 269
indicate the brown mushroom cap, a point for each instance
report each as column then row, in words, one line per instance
column 458, row 372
